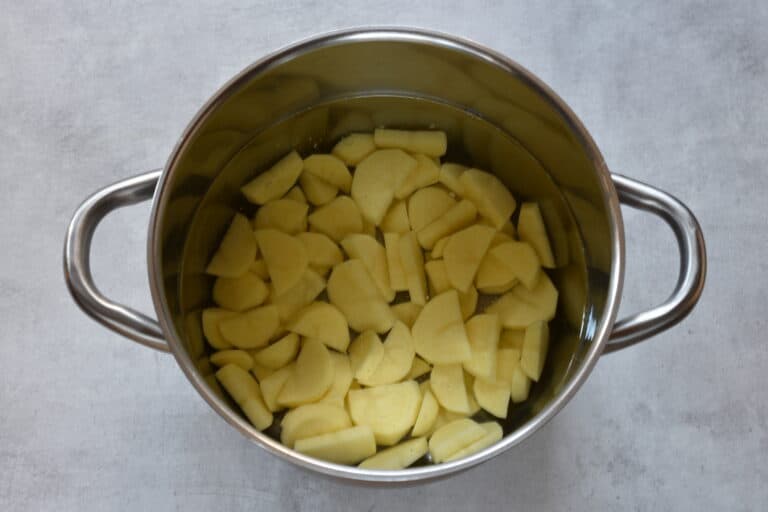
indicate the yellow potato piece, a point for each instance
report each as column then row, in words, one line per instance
column 377, row 178
column 323, row 322
column 284, row 215
column 311, row 377
column 437, row 277
column 259, row 268
column 463, row 253
column 396, row 219
column 426, row 173
column 447, row 383
column 492, row 198
column 450, row 175
column 397, row 279
column 365, row 354
column 493, row 434
column 238, row 383
column 251, row 329
column 342, row 379
column 412, row 260
column 302, row 294
column 354, row 147
column 352, row 289
column 534, row 352
column 427, row 205
column 374, row 257
column 318, row 192
column 519, row 386
column 271, row 386
column 492, row 396
column 494, row 273
column 240, row 293
column 398, row 457
column 389, row 410
column 512, row 338
column 236, row 251
column 321, row 250
column 337, row 219
column 531, row 228
column 469, row 385
column 427, row 415
column 239, row 358
column 276, row 181
column 438, row 333
column 296, row 194
column 428, row 142
column 397, row 359
column 520, row 307
column 483, row 332
column 211, row 319
column 501, row 237
column 406, row 312
column 437, row 250
column 348, row 446
column 419, row 367
column 461, row 215
column 279, row 353
column 257, row 413
column 261, row 372
column 468, row 302
column 330, row 169
column 522, row 261
column 452, row 437
column 312, row 420
column 507, row 360
column 285, row 256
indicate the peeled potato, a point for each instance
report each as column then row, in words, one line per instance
column 245, row 391
column 426, row 173
column 521, row 307
column 261, row 372
column 211, row 319
column 483, row 332
column 438, row 333
column 251, row 329
column 431, row 143
column 311, row 378
column 296, row 194
column 323, row 253
column 284, row 215
column 318, row 192
column 323, row 322
column 437, row 250
column 365, row 354
column 257, row 412
column 493, row 200
column 348, row 446
column 457, row 217
column 354, row 147
column 310, row 285
column 240, row 293
column 398, row 457
column 492, row 396
column 463, row 253
column 337, row 219
column 389, row 410
column 259, row 268
column 412, row 260
column 447, row 383
column 330, row 169
column 377, row 178
column 236, row 251
column 280, row 353
column 493, row 434
column 507, row 360
column 285, row 256
column 240, row 358
column 374, row 257
column 437, row 277
column 494, row 273
column 271, row 385
column 397, row 279
column 427, row 205
column 406, row 312
column 396, row 219
column 418, row 368
column 521, row 260
column 276, row 181
column 397, row 359
column 342, row 379
column 352, row 289
column 534, row 351
column 450, row 175
column 512, row 338
column 468, row 302
column 427, row 415
column 312, row 420
column 530, row 226
column 452, row 437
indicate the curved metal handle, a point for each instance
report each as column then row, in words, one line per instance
column 693, row 264
column 77, row 266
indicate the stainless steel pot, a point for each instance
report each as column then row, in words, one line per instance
column 500, row 116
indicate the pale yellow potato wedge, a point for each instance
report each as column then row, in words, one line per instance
column 211, row 318
column 439, row 247
column 427, row 415
column 519, row 385
column 354, row 147
column 439, row 335
column 428, row 142
column 426, row 205
column 492, row 198
column 330, row 169
column 419, row 367
column 323, row 322
column 483, row 332
column 534, row 352
column 501, row 237
column 377, row 178
column 373, row 255
column 406, row 312
column 257, row 412
column 271, row 385
column 469, row 385
column 447, row 384
column 259, row 268
column 240, row 293
column 412, row 260
column 236, row 251
column 468, row 302
column 397, row 359
column 342, row 379
column 240, row 358
column 284, row 215
column 276, row 181
column 311, row 378
column 390, row 410
column 452, row 437
column 302, row 294
column 312, row 420
column 437, row 277
column 296, row 194
column 450, row 175
column 520, row 307
column 398, row 457
column 494, row 273
column 426, row 173
column 512, row 338
column 521, row 260
column 318, row 192
column 337, row 219
column 348, row 446
column 397, row 279
column 321, row 250
column 493, row 434
column 238, row 383
column 365, row 354
column 285, row 256
column 352, row 289
column 260, row 372
column 252, row 328
column 396, row 219
column 458, row 217
column 463, row 253
column 507, row 361
column 492, row 396
column 279, row 353
column 531, row 228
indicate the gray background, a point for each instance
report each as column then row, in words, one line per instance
column 91, row 92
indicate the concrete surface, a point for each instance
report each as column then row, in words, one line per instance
column 90, row 92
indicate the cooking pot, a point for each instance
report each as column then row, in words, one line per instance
column 497, row 115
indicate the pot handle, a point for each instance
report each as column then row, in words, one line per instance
column 693, row 264
column 77, row 267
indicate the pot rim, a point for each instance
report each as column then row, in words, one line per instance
column 413, row 35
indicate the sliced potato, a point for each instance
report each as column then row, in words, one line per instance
column 374, row 257
column 311, row 377
column 492, row 198
column 236, row 251
column 348, row 446
column 530, row 226
column 312, row 420
column 398, row 457
column 389, row 410
column 342, row 379
column 296, row 194
column 272, row 384
column 245, row 391
column 458, row 217
column 494, row 273
column 521, row 307
column 483, row 332
column 463, row 253
column 352, row 289
column 519, row 385
column 437, row 250
column 406, row 312
column 512, row 338
column 261, row 372
column 251, row 329
column 337, row 219
column 428, row 204
column 534, row 352
column 330, row 169
column 240, row 358
column 284, row 215
column 285, row 256
column 397, row 359
column 521, row 260
column 354, row 147
column 437, row 277
column 447, row 383
column 240, row 293
column 452, row 437
column 426, row 173
column 507, row 360
column 427, row 415
column 397, row 279
column 365, row 354
column 323, row 322
column 211, row 319
column 276, row 181
column 438, row 333
column 323, row 253
column 428, row 142
column 257, row 412
column 468, row 302
column 419, row 367
column 318, row 192
column 279, row 353
column 412, row 260
column 377, row 178
column 396, row 219
column 302, row 294
column 450, row 175
column 493, row 434
column 259, row 268
column 492, row 396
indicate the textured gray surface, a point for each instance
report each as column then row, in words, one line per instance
column 91, row 92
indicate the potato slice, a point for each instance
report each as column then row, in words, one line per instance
column 427, row 205
column 251, row 329
column 284, row 215
column 321, row 250
column 240, row 293
column 463, row 253
column 519, row 385
column 377, row 178
column 296, row 194
column 500, row 237
column 427, row 415
column 271, row 385
column 492, row 198
column 419, row 367
column 211, row 319
column 412, row 260
column 468, row 302
column 450, row 175
column 337, row 219
column 492, row 396
column 512, row 338
column 352, row 289
column 494, row 273
column 354, row 147
column 425, row 174
column 311, row 378
column 261, row 372
column 257, row 413
column 285, row 256
column 396, row 219
column 342, row 379
column 312, row 420
column 406, row 312
column 245, row 391
column 259, row 268
column 276, row 181
column 447, row 383
column 452, row 437
column 530, row 226
column 330, row 169
column 507, row 360
column 389, row 410
column 437, row 277
column 469, row 385
column 458, row 217
column 280, row 353
column 348, row 446
column 302, row 294
column 521, row 307
column 397, row 359
column 483, row 332
column 437, row 250
column 318, row 192
column 365, row 354
column 438, row 333
column 428, row 142
column 521, row 260
column 236, row 251
column 366, row 249
column 397, row 279
column 535, row 347
column 398, row 457
column 493, row 434
column 323, row 322
column 240, row 358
